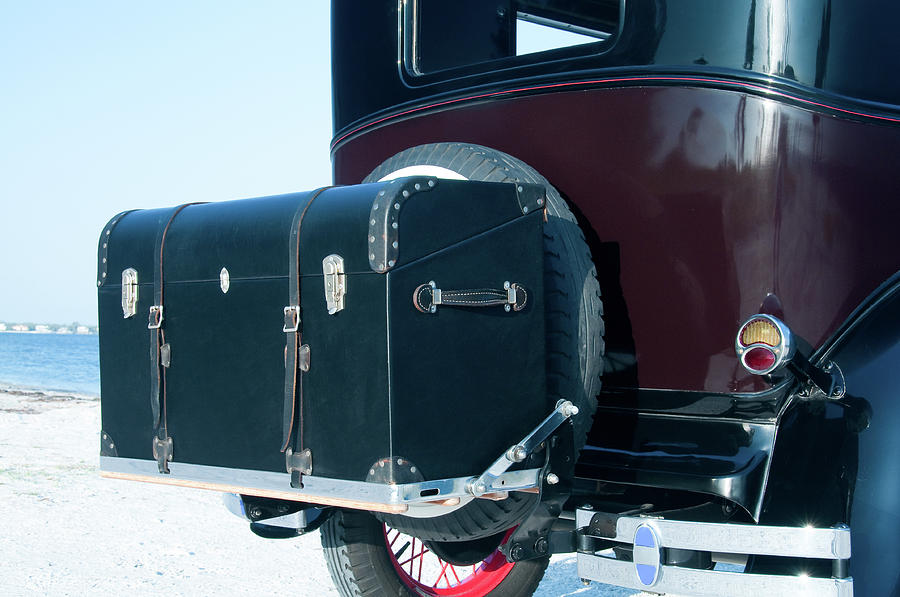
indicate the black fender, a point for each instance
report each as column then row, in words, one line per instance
column 838, row 461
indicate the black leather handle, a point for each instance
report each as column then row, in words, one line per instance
column 427, row 297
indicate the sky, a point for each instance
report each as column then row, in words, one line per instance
column 108, row 105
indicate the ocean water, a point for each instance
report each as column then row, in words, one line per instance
column 67, row 363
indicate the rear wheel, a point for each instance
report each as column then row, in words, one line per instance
column 572, row 315
column 367, row 558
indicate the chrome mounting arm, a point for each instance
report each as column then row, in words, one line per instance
column 489, row 482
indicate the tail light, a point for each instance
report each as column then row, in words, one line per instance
column 764, row 344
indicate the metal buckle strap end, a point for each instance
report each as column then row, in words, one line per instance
column 291, row 319
column 163, row 452
column 156, row 317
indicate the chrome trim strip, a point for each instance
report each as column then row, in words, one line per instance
column 712, row 583
column 798, row 542
column 802, row 542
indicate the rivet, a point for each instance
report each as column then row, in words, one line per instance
column 431, row 183
column 525, row 209
column 111, row 445
column 371, row 471
column 405, row 194
column 372, row 222
column 540, row 201
column 391, row 263
column 99, row 282
column 519, row 188
column 412, row 469
column 400, row 462
column 418, row 186
column 371, row 239
column 372, row 256
column 104, row 245
column 381, row 266
column 108, row 232
column 433, row 309
column 104, row 260
column 395, row 244
column 381, row 194
column 506, row 285
column 375, row 206
column 396, row 206
column 394, row 225
column 506, row 308
column 104, row 274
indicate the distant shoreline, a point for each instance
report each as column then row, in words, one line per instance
column 46, row 394
column 48, row 332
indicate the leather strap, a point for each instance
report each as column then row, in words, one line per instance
column 427, row 297
column 162, row 443
column 293, row 381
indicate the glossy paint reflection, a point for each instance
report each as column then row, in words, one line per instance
column 697, row 203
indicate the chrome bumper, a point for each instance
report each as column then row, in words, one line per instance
column 649, row 537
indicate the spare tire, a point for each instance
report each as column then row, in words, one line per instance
column 573, row 320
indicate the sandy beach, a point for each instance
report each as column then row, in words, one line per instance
column 67, row 531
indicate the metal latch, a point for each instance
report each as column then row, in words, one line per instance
column 129, row 292
column 335, row 283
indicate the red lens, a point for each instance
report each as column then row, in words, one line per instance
column 759, row 359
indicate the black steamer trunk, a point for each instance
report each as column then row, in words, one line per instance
column 383, row 385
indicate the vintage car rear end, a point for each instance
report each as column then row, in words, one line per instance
column 723, row 175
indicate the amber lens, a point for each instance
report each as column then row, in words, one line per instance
column 760, row 331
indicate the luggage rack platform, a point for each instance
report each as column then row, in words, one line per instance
column 418, row 499
column 442, row 494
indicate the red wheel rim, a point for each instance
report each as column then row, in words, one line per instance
column 427, row 574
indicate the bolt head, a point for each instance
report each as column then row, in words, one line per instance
column 552, row 479
column 517, row 453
